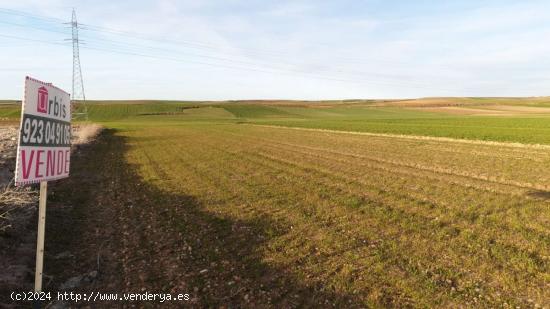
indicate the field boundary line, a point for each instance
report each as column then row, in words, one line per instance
column 413, row 137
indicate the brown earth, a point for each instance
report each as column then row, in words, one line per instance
column 17, row 222
column 18, row 208
column 487, row 110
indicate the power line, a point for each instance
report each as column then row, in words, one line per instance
column 273, row 71
column 32, row 27
column 277, row 70
column 122, row 47
column 196, row 44
column 217, row 65
column 284, row 54
column 130, row 49
column 323, row 68
column 28, row 15
column 50, row 42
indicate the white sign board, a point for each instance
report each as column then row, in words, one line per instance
column 44, row 148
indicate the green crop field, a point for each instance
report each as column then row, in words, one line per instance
column 250, row 203
column 525, row 121
column 523, row 130
column 519, row 125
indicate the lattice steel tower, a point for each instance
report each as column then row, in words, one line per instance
column 78, row 82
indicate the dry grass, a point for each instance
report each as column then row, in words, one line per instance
column 457, row 110
column 464, row 101
column 86, row 133
column 13, row 199
column 490, row 110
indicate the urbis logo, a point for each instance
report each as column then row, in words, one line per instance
column 55, row 107
column 42, row 106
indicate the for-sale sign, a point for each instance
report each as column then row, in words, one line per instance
column 44, row 149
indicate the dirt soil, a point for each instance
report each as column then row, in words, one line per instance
column 17, row 213
column 18, row 217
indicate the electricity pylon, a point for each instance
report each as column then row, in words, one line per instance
column 78, row 82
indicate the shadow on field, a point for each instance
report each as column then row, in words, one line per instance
column 545, row 195
column 142, row 239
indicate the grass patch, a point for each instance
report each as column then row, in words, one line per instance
column 503, row 129
column 256, row 111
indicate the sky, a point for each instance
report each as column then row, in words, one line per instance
column 303, row 49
